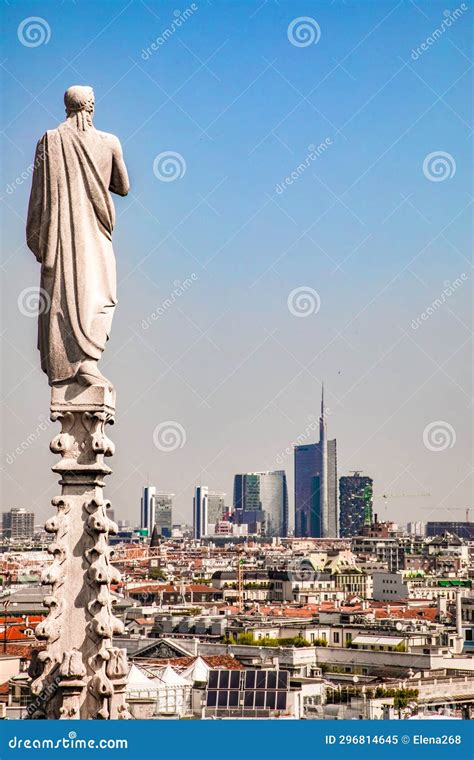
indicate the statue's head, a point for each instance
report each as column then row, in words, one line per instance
column 79, row 102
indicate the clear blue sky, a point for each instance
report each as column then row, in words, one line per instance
column 362, row 226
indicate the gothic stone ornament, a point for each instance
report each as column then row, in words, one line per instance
column 81, row 674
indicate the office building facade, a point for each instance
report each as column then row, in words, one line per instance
column 261, row 501
column 461, row 529
column 148, row 509
column 316, row 487
column 216, row 507
column 200, row 511
column 164, row 513
column 18, row 524
column 355, row 504
column 416, row 528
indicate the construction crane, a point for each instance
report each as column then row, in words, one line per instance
column 239, row 560
column 240, row 585
column 387, row 496
column 451, row 509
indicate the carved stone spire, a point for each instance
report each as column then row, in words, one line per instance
column 80, row 674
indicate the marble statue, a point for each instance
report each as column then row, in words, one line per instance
column 70, row 221
column 80, row 673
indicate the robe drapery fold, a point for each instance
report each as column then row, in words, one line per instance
column 70, row 221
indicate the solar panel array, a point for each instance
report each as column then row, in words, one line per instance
column 249, row 689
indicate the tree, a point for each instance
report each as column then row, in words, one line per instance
column 157, row 574
column 246, row 638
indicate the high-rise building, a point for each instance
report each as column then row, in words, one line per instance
column 148, row 509
column 164, row 513
column 262, row 498
column 18, row 524
column 355, row 504
column 316, row 497
column 247, row 492
column 416, row 528
column 200, row 511
column 156, row 509
column 461, row 529
column 216, row 507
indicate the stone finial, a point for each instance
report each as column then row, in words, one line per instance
column 80, row 673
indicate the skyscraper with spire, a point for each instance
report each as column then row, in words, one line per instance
column 316, row 497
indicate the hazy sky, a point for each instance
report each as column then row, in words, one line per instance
column 372, row 227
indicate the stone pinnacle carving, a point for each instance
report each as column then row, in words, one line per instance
column 80, row 674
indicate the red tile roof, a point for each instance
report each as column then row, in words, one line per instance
column 16, row 633
column 168, row 588
column 423, row 613
column 214, row 661
column 142, row 621
column 33, row 620
column 20, row 650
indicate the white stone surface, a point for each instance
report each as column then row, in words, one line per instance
column 70, row 222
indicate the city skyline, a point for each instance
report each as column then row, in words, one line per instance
column 149, row 507
column 211, row 333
